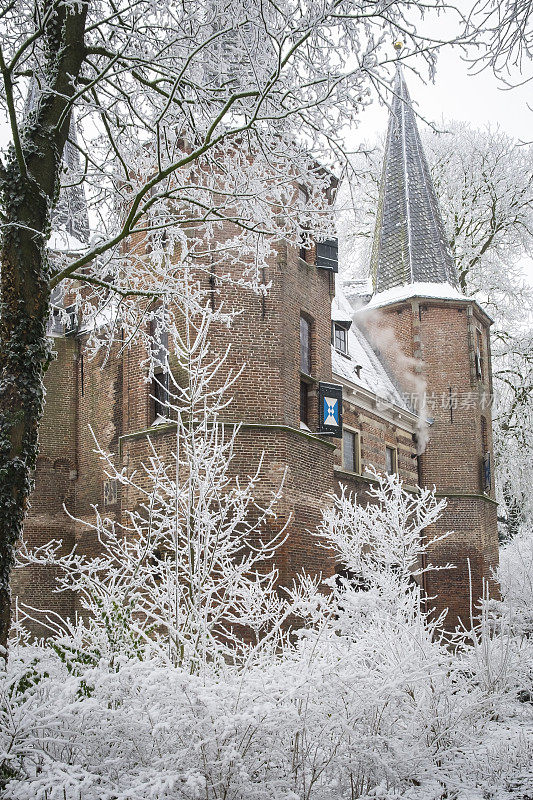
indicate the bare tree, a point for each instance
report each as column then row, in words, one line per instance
column 483, row 179
column 188, row 573
column 188, row 114
column 507, row 41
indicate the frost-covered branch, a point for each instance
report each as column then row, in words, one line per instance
column 187, row 571
column 506, row 33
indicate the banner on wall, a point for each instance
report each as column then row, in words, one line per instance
column 330, row 409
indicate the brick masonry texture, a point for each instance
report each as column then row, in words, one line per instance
column 421, row 342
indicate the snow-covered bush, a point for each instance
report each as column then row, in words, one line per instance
column 380, row 544
column 511, row 619
column 515, row 575
column 365, row 701
column 389, row 712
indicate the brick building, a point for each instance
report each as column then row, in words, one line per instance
column 412, row 361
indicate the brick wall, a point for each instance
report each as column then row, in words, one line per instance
column 375, row 434
column 265, row 338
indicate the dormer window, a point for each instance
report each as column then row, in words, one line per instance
column 339, row 337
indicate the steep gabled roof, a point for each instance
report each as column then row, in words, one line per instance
column 410, row 244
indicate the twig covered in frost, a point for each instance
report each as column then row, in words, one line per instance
column 188, row 569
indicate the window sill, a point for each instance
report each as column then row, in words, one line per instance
column 349, row 472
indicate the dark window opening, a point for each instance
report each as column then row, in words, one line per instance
column 63, row 320
column 391, row 460
column 350, row 450
column 303, row 199
column 159, row 343
column 305, row 346
column 160, row 383
column 304, row 403
column 327, row 255
column 160, row 393
column 345, row 577
column 156, row 562
column 479, row 356
column 486, row 477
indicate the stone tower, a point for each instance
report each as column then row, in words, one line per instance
column 435, row 343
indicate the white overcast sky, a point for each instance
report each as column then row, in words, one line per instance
column 459, row 94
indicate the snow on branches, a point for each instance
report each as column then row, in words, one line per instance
column 187, row 570
column 365, row 701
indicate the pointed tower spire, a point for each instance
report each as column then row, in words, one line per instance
column 410, row 244
column 70, row 215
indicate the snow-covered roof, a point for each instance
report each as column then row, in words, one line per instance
column 438, row 291
column 361, row 366
column 371, row 375
column 341, row 310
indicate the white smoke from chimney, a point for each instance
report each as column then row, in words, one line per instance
column 407, row 371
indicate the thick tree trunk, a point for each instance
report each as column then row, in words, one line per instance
column 28, row 190
column 23, row 353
